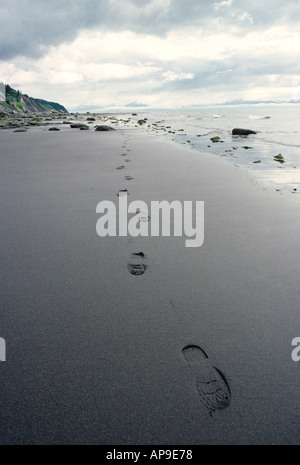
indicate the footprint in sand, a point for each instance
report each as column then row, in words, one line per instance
column 122, row 192
column 121, row 167
column 128, row 178
column 135, row 266
column 128, row 160
column 211, row 384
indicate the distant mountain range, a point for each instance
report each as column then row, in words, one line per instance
column 257, row 102
column 16, row 102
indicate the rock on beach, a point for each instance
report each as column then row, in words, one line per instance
column 242, row 132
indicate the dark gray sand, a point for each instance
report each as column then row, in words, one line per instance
column 194, row 350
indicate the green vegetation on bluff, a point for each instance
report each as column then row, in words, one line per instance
column 16, row 102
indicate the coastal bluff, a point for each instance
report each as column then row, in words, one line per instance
column 17, row 103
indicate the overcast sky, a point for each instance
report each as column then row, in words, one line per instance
column 158, row 53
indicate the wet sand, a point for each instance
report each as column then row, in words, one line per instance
column 196, row 350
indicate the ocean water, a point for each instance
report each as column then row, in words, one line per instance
column 270, row 158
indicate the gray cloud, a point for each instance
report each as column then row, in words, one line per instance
column 232, row 73
column 29, row 28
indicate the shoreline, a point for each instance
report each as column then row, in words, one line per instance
column 96, row 355
column 260, row 164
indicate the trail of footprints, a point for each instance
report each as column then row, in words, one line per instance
column 137, row 265
column 211, row 384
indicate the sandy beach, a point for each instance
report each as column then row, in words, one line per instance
column 97, row 355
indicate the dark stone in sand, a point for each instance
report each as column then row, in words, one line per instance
column 141, row 121
column 216, row 139
column 78, row 126
column 53, row 129
column 91, row 119
column 84, row 129
column 242, row 132
column 104, row 128
column 134, row 114
column 20, row 130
